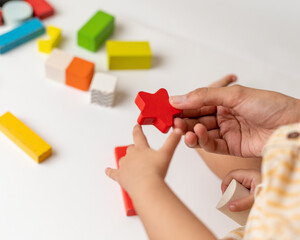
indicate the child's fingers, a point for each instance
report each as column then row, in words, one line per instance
column 172, row 142
column 112, row 173
column 210, row 143
column 225, row 81
column 139, row 137
column 243, row 176
column 241, row 204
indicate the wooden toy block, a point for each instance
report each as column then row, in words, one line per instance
column 79, row 74
column 57, row 64
column 41, row 8
column 46, row 46
column 103, row 89
column 25, row 32
column 16, row 12
column 128, row 55
column 1, row 22
column 234, row 191
column 129, row 208
column 93, row 34
column 25, row 138
column 156, row 110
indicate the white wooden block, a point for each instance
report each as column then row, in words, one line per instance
column 56, row 65
column 234, row 191
column 103, row 89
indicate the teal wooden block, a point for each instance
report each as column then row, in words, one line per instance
column 94, row 33
column 21, row 34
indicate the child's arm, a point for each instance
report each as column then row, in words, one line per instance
column 141, row 174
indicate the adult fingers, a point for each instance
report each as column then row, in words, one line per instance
column 210, row 143
column 222, row 96
column 112, row 173
column 172, row 141
column 203, row 111
column 225, row 81
column 241, row 204
column 139, row 137
column 191, row 139
column 187, row 124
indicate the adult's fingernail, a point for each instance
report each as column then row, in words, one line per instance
column 232, row 207
column 178, row 131
column 177, row 99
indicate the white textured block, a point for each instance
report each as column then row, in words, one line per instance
column 56, row 65
column 103, row 89
column 234, row 191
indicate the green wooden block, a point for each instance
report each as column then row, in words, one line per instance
column 94, row 33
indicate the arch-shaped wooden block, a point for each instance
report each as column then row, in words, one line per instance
column 46, row 45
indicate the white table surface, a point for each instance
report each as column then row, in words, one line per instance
column 194, row 42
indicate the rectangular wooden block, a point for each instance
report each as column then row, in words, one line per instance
column 21, row 34
column 1, row 18
column 41, row 8
column 130, row 211
column 25, row 138
column 93, row 34
column 57, row 64
column 79, row 74
column 128, row 55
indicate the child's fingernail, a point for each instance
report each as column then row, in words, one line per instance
column 232, row 207
column 106, row 170
column 178, row 99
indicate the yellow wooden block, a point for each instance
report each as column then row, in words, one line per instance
column 46, row 46
column 128, row 55
column 25, row 138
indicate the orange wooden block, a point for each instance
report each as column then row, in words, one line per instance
column 79, row 74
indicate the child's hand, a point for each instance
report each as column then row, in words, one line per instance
column 141, row 165
column 249, row 179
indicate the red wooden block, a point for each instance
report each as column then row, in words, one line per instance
column 79, row 74
column 1, row 18
column 41, row 8
column 119, row 153
column 156, row 110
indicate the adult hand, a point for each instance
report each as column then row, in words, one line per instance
column 242, row 122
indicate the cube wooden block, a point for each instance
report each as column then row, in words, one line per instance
column 103, row 89
column 128, row 55
column 24, row 137
column 93, row 34
column 57, row 64
column 79, row 74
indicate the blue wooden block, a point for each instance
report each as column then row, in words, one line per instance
column 21, row 34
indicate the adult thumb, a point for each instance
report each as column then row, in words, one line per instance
column 221, row 96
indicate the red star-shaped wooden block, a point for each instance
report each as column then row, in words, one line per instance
column 156, row 110
column 119, row 153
